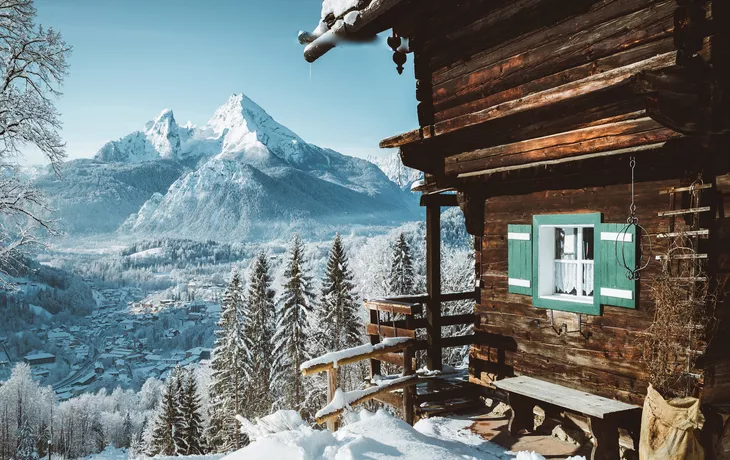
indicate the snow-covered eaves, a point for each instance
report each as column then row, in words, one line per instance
column 346, row 20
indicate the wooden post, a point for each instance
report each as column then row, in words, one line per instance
column 331, row 388
column 433, row 286
column 374, row 340
column 408, row 392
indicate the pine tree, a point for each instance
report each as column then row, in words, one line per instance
column 336, row 325
column 337, row 322
column 290, row 340
column 259, row 328
column 192, row 424
column 164, row 433
column 226, row 388
column 26, row 443
column 176, row 379
column 401, row 279
column 126, row 431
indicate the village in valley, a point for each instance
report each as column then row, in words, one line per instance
column 428, row 229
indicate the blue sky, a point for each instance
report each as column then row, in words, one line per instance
column 133, row 58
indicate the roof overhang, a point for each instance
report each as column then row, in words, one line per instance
column 356, row 25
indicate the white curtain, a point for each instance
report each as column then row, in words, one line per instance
column 588, row 278
column 566, row 278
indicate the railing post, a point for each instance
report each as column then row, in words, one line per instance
column 374, row 340
column 331, row 388
column 433, row 285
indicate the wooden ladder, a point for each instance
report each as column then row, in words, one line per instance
column 695, row 232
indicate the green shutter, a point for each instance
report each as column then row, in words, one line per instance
column 519, row 259
column 611, row 281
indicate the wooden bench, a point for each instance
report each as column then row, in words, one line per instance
column 605, row 415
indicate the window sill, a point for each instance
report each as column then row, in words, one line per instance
column 569, row 298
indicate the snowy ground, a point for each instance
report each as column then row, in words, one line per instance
column 380, row 436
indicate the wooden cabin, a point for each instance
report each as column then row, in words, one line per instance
column 557, row 124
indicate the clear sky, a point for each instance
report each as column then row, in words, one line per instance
column 133, row 58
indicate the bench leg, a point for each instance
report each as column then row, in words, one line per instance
column 606, row 439
column 522, row 415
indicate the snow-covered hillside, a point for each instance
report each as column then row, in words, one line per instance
column 92, row 197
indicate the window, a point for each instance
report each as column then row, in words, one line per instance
column 568, row 262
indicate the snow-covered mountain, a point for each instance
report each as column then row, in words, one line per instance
column 396, row 171
column 240, row 176
column 264, row 181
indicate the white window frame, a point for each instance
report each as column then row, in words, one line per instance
column 546, row 265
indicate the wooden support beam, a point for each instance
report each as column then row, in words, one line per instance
column 375, row 368
column 409, row 391
column 331, row 388
column 439, row 199
column 433, row 286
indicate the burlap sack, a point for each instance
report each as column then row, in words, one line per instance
column 670, row 429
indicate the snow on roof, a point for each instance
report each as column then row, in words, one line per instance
column 39, row 355
column 336, row 356
column 337, row 7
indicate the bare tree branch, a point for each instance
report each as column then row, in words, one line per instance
column 33, row 64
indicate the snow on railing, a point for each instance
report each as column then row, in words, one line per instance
column 343, row 400
column 334, row 358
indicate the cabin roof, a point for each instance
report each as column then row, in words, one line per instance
column 347, row 20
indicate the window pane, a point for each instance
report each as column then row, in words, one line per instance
column 587, row 244
column 587, row 279
column 566, row 278
column 566, row 243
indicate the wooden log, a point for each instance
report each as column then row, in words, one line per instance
column 573, row 90
column 553, row 95
column 388, row 331
column 557, row 56
column 599, row 12
column 393, row 306
column 360, row 357
column 439, row 199
column 541, row 148
column 480, row 100
column 385, row 388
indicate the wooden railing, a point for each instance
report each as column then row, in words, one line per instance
column 411, row 307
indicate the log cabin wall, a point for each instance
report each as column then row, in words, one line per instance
column 505, row 85
column 518, row 338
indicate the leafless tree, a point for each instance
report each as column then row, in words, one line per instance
column 33, row 63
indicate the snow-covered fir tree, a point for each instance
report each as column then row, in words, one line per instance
column 227, row 379
column 290, row 350
column 401, row 278
column 191, row 433
column 126, row 431
column 258, row 330
column 337, row 324
column 168, row 423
